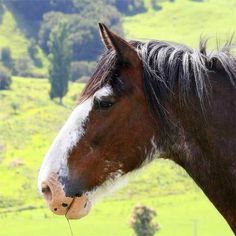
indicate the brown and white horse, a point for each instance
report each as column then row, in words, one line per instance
column 146, row 99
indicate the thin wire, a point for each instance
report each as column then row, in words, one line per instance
column 68, row 221
column 71, row 232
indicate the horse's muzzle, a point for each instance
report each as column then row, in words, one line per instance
column 58, row 203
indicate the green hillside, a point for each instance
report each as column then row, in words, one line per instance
column 12, row 37
column 184, row 21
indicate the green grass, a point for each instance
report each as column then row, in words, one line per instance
column 184, row 21
column 177, row 215
column 25, row 138
column 12, row 36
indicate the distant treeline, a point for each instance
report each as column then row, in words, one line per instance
column 38, row 19
column 81, row 16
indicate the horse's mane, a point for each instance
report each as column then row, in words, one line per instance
column 169, row 66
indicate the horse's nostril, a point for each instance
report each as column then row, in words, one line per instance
column 46, row 192
column 45, row 189
column 64, row 204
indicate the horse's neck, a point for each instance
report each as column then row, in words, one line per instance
column 206, row 150
column 217, row 179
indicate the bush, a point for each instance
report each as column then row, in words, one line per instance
column 33, row 52
column 23, row 67
column 6, row 58
column 141, row 221
column 130, row 7
column 155, row 5
column 81, row 69
column 5, row 78
column 15, row 107
column 1, row 9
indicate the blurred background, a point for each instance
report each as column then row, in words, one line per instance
column 38, row 35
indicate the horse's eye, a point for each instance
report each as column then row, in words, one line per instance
column 102, row 104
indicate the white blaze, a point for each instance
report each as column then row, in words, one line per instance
column 70, row 134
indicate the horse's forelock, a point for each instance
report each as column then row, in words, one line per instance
column 103, row 73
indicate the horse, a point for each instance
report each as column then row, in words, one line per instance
column 147, row 100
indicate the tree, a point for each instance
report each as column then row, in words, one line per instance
column 1, row 10
column 155, row 5
column 60, row 59
column 5, row 78
column 80, row 69
column 6, row 57
column 49, row 22
column 130, row 7
column 23, row 67
column 33, row 52
column 82, row 28
column 15, row 107
column 141, row 221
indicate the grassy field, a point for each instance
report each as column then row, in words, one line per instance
column 27, row 132
column 184, row 21
column 25, row 136
column 177, row 215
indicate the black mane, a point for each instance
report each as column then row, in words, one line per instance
column 168, row 67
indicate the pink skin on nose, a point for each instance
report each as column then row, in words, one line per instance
column 58, row 203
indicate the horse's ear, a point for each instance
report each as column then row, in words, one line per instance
column 124, row 50
column 104, row 36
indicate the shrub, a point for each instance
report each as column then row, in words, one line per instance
column 15, row 107
column 130, row 7
column 81, row 69
column 141, row 221
column 1, row 10
column 6, row 57
column 23, row 67
column 33, row 52
column 5, row 78
column 155, row 5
